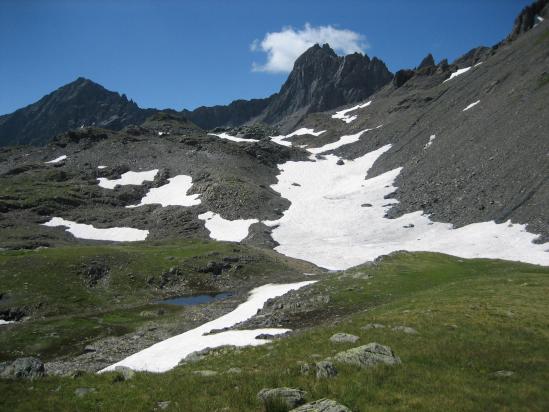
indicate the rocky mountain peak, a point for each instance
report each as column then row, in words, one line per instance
column 428, row 61
column 527, row 18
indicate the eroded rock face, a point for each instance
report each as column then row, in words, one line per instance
column 527, row 18
column 368, row 355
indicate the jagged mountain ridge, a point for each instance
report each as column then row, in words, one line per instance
column 320, row 81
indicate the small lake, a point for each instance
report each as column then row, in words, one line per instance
column 190, row 300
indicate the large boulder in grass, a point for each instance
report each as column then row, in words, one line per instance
column 367, row 356
column 343, row 338
column 22, row 368
column 287, row 397
column 322, row 405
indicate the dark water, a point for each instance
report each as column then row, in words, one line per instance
column 190, row 300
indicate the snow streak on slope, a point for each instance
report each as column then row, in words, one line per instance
column 342, row 114
column 228, row 230
column 167, row 354
column 173, row 193
column 114, row 234
column 128, row 178
column 430, row 142
column 471, row 105
column 57, row 160
column 325, row 223
column 227, row 136
column 457, row 73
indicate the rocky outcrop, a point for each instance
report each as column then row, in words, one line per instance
column 22, row 368
column 527, row 18
column 80, row 103
column 367, row 356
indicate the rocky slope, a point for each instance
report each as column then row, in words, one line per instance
column 80, row 103
column 488, row 162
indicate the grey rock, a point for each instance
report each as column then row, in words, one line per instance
column 205, row 373
column 340, row 162
column 22, row 368
column 367, row 356
column 290, row 397
column 235, row 371
column 503, row 374
column 325, row 369
column 127, row 373
column 81, row 392
column 373, row 326
column 343, row 338
column 163, row 405
column 322, row 405
column 405, row 329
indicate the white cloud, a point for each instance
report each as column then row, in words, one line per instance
column 285, row 46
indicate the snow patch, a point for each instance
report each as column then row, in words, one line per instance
column 343, row 140
column 173, row 193
column 471, row 105
column 5, row 322
column 325, row 223
column 114, row 234
column 430, row 142
column 304, row 130
column 342, row 114
column 57, row 160
column 128, row 178
column 228, row 230
column 232, row 138
column 101, row 167
column 167, row 354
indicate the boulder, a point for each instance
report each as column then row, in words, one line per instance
column 325, row 369
column 405, row 329
column 289, row 397
column 81, row 392
column 343, row 338
column 322, row 405
column 22, row 368
column 125, row 372
column 373, row 326
column 367, row 356
column 205, row 373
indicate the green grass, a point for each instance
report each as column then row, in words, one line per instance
column 66, row 314
column 474, row 317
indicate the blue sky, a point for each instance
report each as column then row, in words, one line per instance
column 183, row 54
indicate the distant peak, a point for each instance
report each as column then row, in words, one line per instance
column 428, row 61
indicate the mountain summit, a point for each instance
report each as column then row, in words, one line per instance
column 79, row 103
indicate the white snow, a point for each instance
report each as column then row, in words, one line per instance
column 457, row 73
column 471, row 105
column 101, row 167
column 478, row 64
column 342, row 141
column 539, row 20
column 233, row 138
column 304, row 130
column 5, row 322
column 430, row 142
column 115, row 234
column 281, row 140
column 167, row 354
column 228, row 230
column 173, row 193
column 342, row 114
column 128, row 178
column 325, row 223
column 57, row 160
